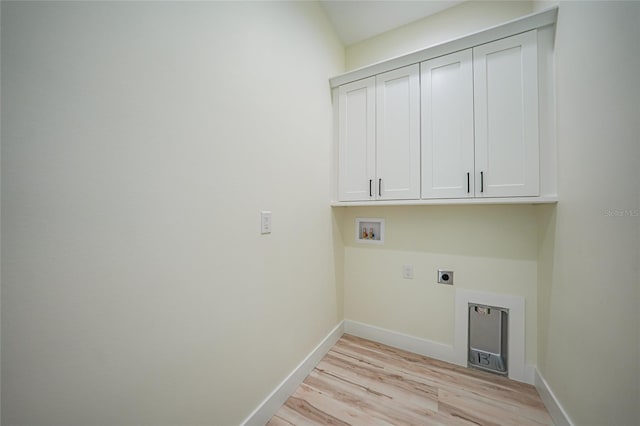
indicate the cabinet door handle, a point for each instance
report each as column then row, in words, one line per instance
column 380, row 187
column 468, row 187
column 370, row 195
column 481, row 181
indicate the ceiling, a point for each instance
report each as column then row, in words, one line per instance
column 358, row 20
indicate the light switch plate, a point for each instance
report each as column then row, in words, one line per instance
column 265, row 222
column 407, row 272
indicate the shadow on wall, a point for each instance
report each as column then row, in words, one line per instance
column 546, row 242
column 337, row 216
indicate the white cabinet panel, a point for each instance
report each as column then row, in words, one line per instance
column 379, row 137
column 458, row 126
column 398, row 134
column 356, row 168
column 506, row 117
column 447, row 126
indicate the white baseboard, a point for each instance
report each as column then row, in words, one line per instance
column 279, row 396
column 557, row 413
column 405, row 342
column 529, row 374
column 417, row 345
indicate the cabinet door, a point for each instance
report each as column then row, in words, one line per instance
column 506, row 117
column 447, row 126
column 398, row 134
column 356, row 140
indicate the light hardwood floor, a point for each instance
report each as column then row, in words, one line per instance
column 360, row 382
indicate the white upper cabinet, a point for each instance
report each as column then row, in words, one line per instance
column 480, row 121
column 447, row 126
column 379, row 137
column 398, row 134
column 469, row 121
column 357, row 142
column 506, row 117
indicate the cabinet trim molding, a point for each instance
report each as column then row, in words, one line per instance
column 513, row 27
column 448, row 201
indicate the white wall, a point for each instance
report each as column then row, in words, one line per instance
column 590, row 245
column 139, row 142
column 489, row 248
column 449, row 24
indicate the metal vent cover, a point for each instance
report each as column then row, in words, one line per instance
column 488, row 338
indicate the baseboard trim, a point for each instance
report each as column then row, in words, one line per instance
column 555, row 409
column 425, row 347
column 288, row 386
column 405, row 342
column 417, row 345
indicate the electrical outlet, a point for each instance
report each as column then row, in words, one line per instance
column 445, row 277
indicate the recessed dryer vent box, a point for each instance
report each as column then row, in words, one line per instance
column 445, row 277
column 488, row 333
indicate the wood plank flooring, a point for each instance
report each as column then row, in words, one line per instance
column 360, row 382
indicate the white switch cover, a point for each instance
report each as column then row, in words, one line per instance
column 407, row 272
column 265, row 222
